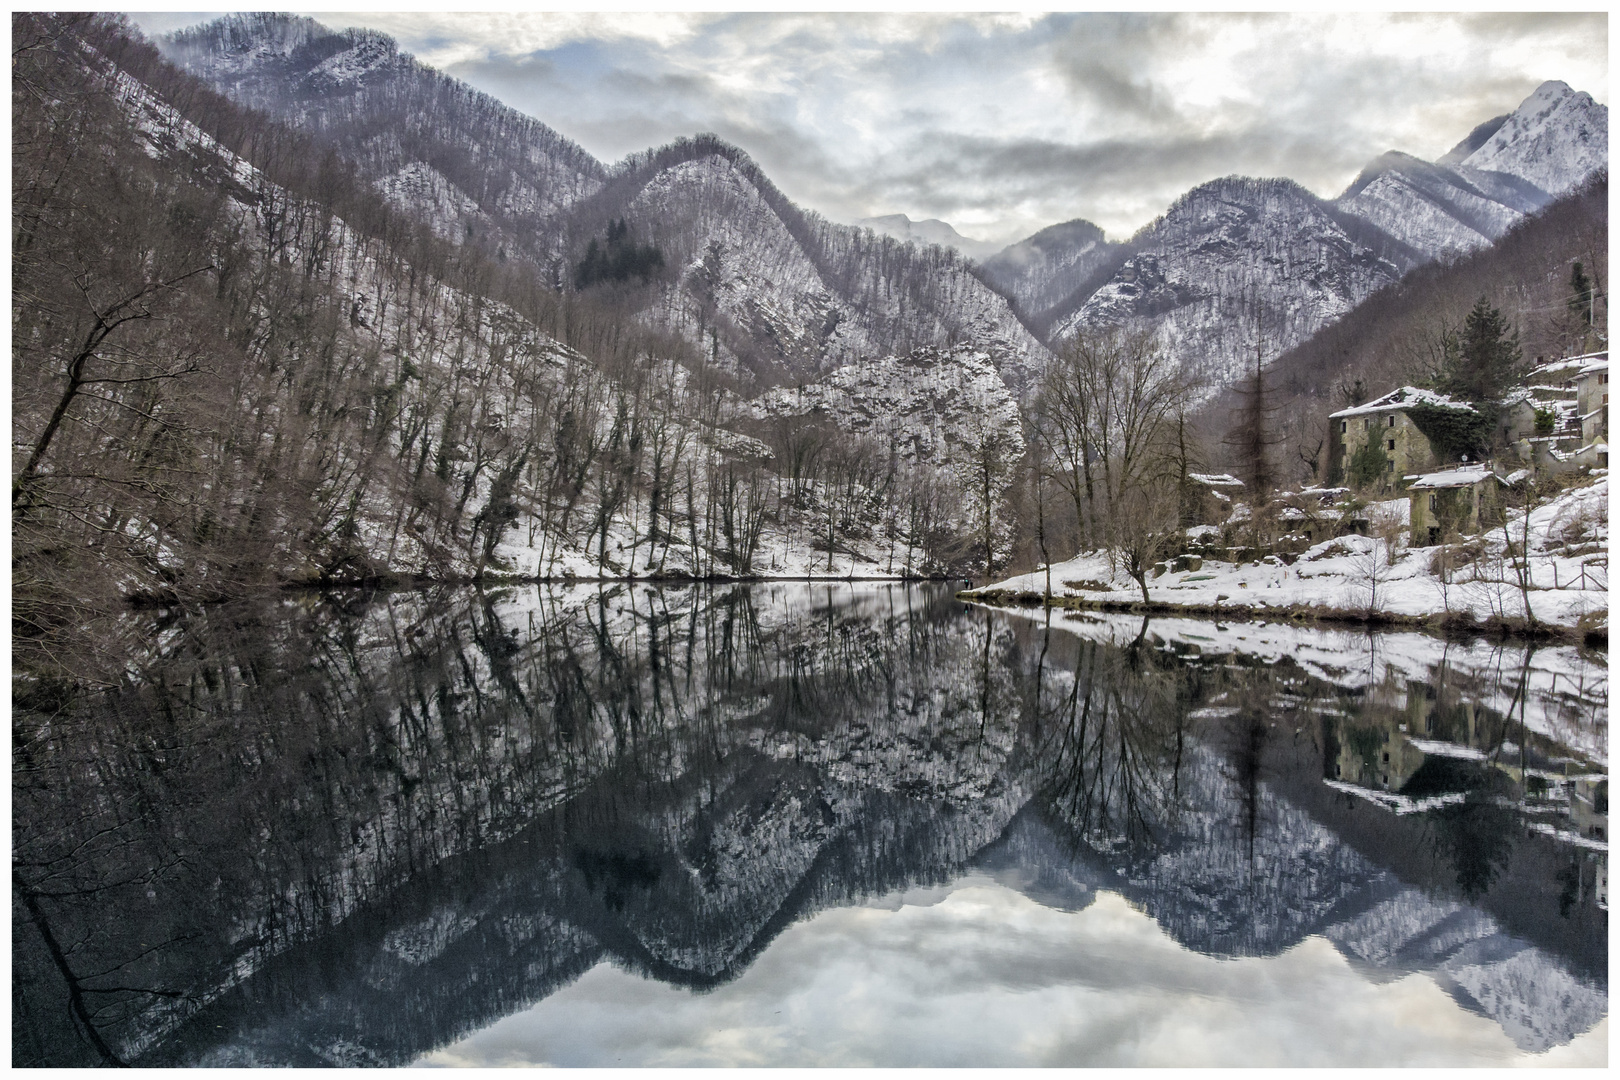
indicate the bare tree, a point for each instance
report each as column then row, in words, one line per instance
column 1109, row 411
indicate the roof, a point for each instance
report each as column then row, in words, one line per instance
column 1452, row 478
column 1215, row 479
column 1403, row 399
column 1594, row 367
column 1569, row 366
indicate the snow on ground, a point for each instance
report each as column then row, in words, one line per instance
column 1568, row 573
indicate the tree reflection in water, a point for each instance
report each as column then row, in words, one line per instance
column 349, row 828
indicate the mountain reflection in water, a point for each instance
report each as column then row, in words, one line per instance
column 354, row 829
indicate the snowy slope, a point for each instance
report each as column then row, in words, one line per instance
column 777, row 294
column 928, row 407
column 1434, row 209
column 389, row 114
column 1555, row 139
column 1198, row 273
column 1504, row 169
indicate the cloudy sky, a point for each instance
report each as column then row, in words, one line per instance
column 1003, row 124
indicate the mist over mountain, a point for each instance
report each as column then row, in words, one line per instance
column 1047, row 268
column 930, row 231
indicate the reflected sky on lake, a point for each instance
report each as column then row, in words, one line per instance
column 977, row 974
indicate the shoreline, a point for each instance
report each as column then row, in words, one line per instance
column 1442, row 624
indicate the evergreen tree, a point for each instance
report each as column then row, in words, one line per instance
column 1580, row 299
column 1483, row 361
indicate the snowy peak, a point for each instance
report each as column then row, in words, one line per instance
column 930, row 231
column 1505, row 168
column 1556, row 139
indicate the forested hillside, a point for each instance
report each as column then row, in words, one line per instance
column 770, row 292
column 237, row 366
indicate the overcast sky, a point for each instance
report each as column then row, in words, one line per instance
column 1003, row 124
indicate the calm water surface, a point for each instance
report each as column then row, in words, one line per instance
column 807, row 824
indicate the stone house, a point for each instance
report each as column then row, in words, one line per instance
column 1462, row 501
column 1209, row 497
column 1582, row 382
column 1592, row 400
column 1383, row 432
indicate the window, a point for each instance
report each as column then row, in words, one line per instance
column 1392, row 444
column 1389, row 464
column 1344, row 425
column 1365, row 424
column 1434, row 502
column 1392, row 420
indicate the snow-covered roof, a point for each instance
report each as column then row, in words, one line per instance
column 1215, row 479
column 1402, row 399
column 1451, row 478
column 1594, row 367
column 1569, row 366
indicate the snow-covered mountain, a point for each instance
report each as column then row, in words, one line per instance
column 1504, row 169
column 1237, row 251
column 766, row 290
column 1042, row 270
column 929, row 231
column 1555, row 139
column 781, row 294
column 1239, row 265
column 775, row 294
column 468, row 163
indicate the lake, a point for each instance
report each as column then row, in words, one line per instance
column 806, row 823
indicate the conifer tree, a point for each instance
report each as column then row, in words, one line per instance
column 1482, row 362
column 1580, row 299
